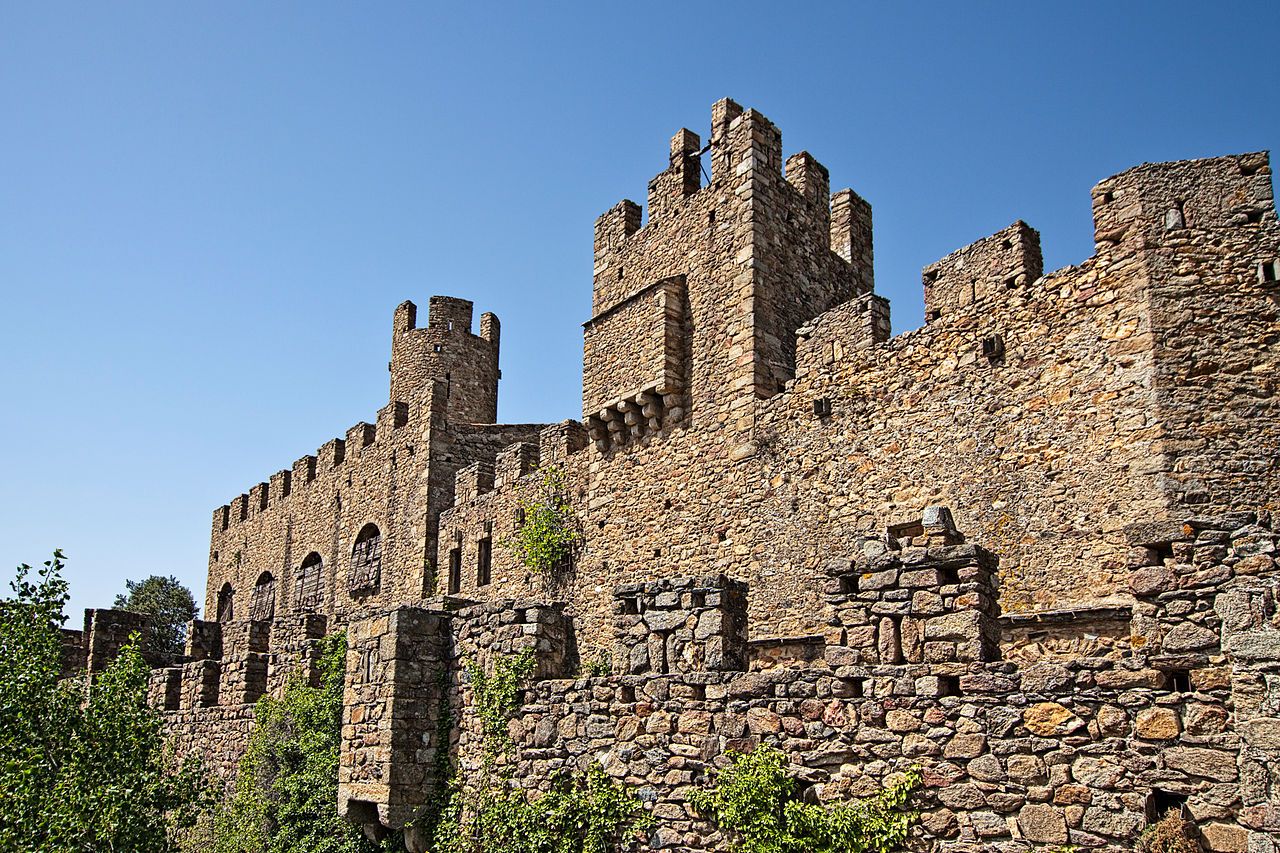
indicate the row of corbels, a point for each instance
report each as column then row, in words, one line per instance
column 630, row 417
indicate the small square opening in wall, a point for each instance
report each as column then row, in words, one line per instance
column 1180, row 681
column 948, row 685
column 1269, row 272
column 822, row 407
column 993, row 349
column 1161, row 803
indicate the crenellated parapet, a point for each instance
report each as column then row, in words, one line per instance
column 1008, row 260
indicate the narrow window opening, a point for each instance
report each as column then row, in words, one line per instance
column 657, row 552
column 822, row 407
column 1180, row 679
column 948, row 685
column 366, row 561
column 619, row 273
column 666, row 504
column 848, row 584
column 993, row 349
column 455, row 571
column 1253, row 217
column 1248, row 169
column 438, row 348
column 1269, row 271
column 1006, row 245
column 711, row 218
column 226, row 603
column 630, row 607
column 853, row 688
column 948, row 576
column 627, row 693
column 699, row 599
column 1108, row 197
column 1011, row 282
column 484, row 562
column 263, row 606
column 309, row 592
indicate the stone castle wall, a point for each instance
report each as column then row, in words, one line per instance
column 760, row 557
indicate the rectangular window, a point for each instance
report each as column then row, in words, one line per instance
column 484, row 549
column 455, row 571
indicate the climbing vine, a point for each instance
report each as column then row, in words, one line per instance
column 487, row 813
column 287, row 782
column 496, row 696
column 756, row 803
column 547, row 534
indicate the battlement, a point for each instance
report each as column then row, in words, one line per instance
column 360, row 439
column 1006, row 261
column 447, row 350
column 1145, row 206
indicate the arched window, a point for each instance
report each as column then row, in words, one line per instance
column 226, row 603
column 366, row 561
column 308, row 591
column 263, row 606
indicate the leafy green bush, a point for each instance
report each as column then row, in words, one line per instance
column 548, row 534
column 286, row 788
column 755, row 802
column 589, row 813
column 77, row 775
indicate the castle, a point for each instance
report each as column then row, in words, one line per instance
column 1028, row 547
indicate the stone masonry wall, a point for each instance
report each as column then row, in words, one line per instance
column 1084, row 752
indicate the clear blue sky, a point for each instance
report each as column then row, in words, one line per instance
column 208, row 211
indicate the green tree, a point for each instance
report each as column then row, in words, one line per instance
column 168, row 606
column 286, row 789
column 80, row 775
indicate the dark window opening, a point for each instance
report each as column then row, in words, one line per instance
column 848, row 584
column 1180, row 680
column 455, row 570
column 484, row 561
column 1253, row 217
column 627, row 693
column 948, row 685
column 366, row 561
column 1108, row 196
column 993, row 349
column 657, row 552
column 1160, row 803
column 948, row 576
column 619, row 273
column 852, row 688
column 822, row 407
column 309, row 589
column 1269, row 271
column 1011, row 282
column 630, row 607
column 226, row 603
column 698, row 599
column 263, row 606
column 1006, row 245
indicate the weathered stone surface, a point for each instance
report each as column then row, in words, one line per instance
column 1049, row 719
column 1157, row 724
column 1043, row 824
column 1218, row 765
column 749, row 426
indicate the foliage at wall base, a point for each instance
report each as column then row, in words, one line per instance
column 755, row 802
column 286, row 787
